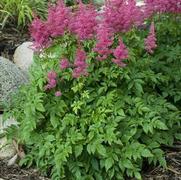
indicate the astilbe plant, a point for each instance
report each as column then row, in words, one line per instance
column 52, row 82
column 39, row 33
column 80, row 64
column 98, row 105
column 83, row 21
column 58, row 20
column 64, row 63
column 163, row 6
column 104, row 41
column 121, row 16
column 120, row 53
column 150, row 41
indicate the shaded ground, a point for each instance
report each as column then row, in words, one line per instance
column 173, row 172
column 10, row 39
column 16, row 173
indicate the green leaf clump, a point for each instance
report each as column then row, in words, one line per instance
column 105, row 125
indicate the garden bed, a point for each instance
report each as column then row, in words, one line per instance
column 83, row 114
column 173, row 170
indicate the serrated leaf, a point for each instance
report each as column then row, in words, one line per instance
column 91, row 148
column 109, row 163
column 54, row 121
column 50, row 138
column 127, row 164
column 146, row 153
column 145, row 109
column 139, row 88
column 163, row 162
column 101, row 149
column 160, row 125
column 147, row 128
column 91, row 135
column 95, row 164
column 121, row 112
column 78, row 150
column 137, row 175
column 178, row 136
column 40, row 107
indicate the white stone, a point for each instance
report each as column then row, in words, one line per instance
column 13, row 160
column 6, row 123
column 7, row 150
column 140, row 3
column 23, row 56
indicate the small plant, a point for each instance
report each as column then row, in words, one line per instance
column 104, row 92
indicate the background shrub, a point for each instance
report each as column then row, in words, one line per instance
column 20, row 12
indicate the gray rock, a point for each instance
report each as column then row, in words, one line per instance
column 23, row 56
column 11, row 77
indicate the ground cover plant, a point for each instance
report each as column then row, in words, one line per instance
column 104, row 91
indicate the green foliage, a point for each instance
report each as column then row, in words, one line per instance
column 20, row 12
column 105, row 125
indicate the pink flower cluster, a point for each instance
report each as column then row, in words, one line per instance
column 39, row 33
column 80, row 64
column 104, row 41
column 162, row 6
column 120, row 53
column 121, row 15
column 83, row 21
column 58, row 93
column 64, row 64
column 52, row 82
column 150, row 41
column 56, row 24
column 58, row 19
